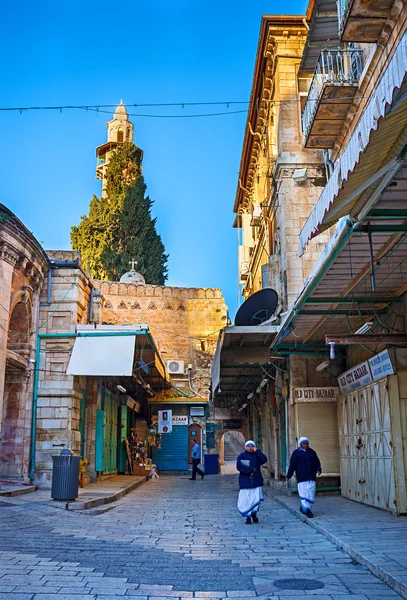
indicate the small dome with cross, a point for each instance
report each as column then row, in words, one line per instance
column 132, row 276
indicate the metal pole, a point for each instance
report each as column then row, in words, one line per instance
column 373, row 278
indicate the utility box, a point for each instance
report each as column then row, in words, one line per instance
column 211, row 462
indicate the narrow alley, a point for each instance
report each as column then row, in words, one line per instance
column 157, row 543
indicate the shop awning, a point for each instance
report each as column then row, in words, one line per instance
column 241, row 348
column 103, row 355
column 366, row 158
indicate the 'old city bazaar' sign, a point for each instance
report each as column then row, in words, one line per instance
column 316, row 394
column 371, row 370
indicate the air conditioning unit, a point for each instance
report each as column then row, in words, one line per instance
column 175, row 367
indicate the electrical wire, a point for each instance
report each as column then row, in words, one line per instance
column 101, row 108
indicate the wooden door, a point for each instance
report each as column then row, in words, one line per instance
column 366, row 447
column 194, row 432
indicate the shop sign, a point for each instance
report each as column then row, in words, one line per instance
column 222, row 413
column 232, row 424
column 176, row 420
column 381, row 365
column 197, row 411
column 164, row 421
column 316, row 394
column 355, row 377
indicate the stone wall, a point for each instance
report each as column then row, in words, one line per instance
column 184, row 322
column 23, row 264
column 59, row 395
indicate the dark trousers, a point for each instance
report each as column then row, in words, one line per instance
column 195, row 468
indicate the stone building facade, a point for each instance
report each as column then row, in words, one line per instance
column 185, row 321
column 23, row 267
column 278, row 184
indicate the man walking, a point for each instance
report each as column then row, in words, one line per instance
column 196, row 459
column 306, row 465
column 249, row 465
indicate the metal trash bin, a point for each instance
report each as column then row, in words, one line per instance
column 211, row 464
column 65, row 476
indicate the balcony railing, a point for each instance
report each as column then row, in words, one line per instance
column 362, row 20
column 343, row 9
column 337, row 70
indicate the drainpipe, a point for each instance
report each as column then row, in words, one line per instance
column 90, row 314
column 40, row 336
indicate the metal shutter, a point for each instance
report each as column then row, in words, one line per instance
column 318, row 421
column 173, row 455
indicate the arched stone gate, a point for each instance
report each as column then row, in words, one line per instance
column 23, row 265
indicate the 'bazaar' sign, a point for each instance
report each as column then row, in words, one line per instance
column 375, row 368
column 355, row 377
column 316, row 394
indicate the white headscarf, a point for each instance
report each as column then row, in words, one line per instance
column 250, row 443
column 301, row 441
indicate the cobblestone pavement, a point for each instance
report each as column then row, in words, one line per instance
column 172, row 538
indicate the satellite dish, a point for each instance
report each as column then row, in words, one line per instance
column 258, row 308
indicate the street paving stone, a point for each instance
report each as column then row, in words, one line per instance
column 172, row 538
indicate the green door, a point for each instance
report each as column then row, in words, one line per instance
column 110, row 437
column 123, row 434
column 82, row 422
column 106, row 434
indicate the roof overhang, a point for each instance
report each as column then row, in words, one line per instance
column 359, row 278
column 322, row 19
column 242, row 353
column 373, row 154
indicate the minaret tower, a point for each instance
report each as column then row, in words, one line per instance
column 119, row 131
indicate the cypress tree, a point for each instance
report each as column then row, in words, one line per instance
column 120, row 227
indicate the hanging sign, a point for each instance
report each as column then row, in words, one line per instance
column 381, row 365
column 316, row 394
column 176, row 420
column 164, row 421
column 355, row 377
column 197, row 411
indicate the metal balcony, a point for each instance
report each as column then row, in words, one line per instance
column 333, row 88
column 362, row 20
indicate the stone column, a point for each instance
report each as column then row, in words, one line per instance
column 7, row 262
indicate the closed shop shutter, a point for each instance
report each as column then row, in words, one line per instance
column 173, row 455
column 318, row 421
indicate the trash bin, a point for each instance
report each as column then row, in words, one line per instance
column 65, row 476
column 211, row 464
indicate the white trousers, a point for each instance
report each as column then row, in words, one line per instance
column 248, row 501
column 306, row 493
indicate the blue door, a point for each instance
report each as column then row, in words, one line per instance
column 173, row 455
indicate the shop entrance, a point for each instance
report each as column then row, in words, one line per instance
column 194, row 433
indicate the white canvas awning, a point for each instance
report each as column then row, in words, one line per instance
column 103, row 355
column 366, row 156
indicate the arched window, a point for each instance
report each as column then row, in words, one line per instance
column 128, row 134
column 120, row 137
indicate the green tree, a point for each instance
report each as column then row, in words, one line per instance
column 120, row 227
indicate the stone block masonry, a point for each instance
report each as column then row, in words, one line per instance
column 185, row 322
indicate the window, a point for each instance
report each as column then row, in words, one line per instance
column 120, row 137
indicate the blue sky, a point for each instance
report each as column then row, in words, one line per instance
column 81, row 53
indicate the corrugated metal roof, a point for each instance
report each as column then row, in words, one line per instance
column 323, row 32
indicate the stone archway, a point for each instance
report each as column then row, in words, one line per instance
column 14, row 447
column 231, row 445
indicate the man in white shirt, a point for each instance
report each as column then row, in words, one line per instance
column 196, row 459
